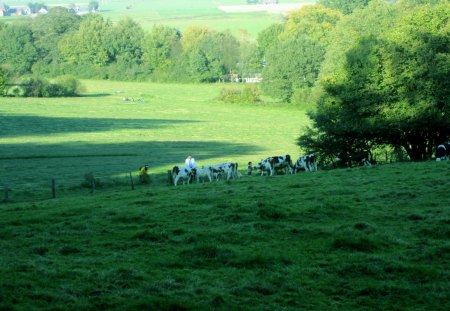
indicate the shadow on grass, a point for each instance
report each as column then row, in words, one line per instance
column 15, row 125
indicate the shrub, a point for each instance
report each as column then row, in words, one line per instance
column 68, row 86
column 249, row 94
column 3, row 79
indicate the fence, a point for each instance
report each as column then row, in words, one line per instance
column 64, row 186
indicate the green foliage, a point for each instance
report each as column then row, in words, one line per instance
column 48, row 30
column 17, row 50
column 89, row 44
column 292, row 64
column 234, row 95
column 93, row 6
column 269, row 37
column 158, row 45
column 3, row 80
column 345, row 6
column 64, row 86
column 314, row 21
column 125, row 42
column 36, row 6
column 392, row 89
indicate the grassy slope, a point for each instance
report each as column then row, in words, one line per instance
column 65, row 138
column 347, row 239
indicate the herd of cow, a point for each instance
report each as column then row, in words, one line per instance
column 273, row 165
column 270, row 166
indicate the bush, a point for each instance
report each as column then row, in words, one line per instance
column 248, row 94
column 68, row 86
column 3, row 79
column 64, row 86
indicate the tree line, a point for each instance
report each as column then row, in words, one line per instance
column 373, row 73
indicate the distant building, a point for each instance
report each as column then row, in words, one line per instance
column 19, row 10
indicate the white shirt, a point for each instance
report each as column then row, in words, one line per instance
column 190, row 163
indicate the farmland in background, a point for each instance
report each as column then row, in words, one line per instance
column 183, row 13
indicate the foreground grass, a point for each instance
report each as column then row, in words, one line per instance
column 361, row 239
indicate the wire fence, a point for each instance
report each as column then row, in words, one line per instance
column 32, row 189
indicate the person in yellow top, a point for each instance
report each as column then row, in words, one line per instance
column 143, row 174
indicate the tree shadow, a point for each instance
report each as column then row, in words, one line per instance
column 35, row 165
column 19, row 125
column 95, row 95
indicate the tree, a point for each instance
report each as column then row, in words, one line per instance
column 393, row 89
column 48, row 30
column 345, row 6
column 16, row 48
column 292, row 64
column 269, row 37
column 89, row 44
column 315, row 21
column 158, row 45
column 93, row 6
column 214, row 57
column 125, row 42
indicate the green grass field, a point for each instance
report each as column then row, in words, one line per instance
column 66, row 138
column 180, row 14
column 373, row 238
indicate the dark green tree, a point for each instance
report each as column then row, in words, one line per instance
column 269, row 37
column 157, row 47
column 48, row 30
column 17, row 50
column 124, row 42
column 392, row 90
column 93, row 6
column 3, row 80
column 292, row 64
column 89, row 44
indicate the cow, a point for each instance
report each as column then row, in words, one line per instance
column 204, row 172
column 228, row 169
column 184, row 173
column 305, row 163
column 272, row 164
column 347, row 158
column 443, row 152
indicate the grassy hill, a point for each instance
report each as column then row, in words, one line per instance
column 372, row 238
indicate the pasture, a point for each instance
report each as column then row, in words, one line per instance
column 182, row 13
column 99, row 133
column 368, row 238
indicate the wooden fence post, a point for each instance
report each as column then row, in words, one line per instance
column 93, row 184
column 53, row 188
column 131, row 181
column 169, row 176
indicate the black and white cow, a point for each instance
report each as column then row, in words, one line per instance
column 228, row 169
column 347, row 158
column 272, row 164
column 184, row 173
column 203, row 173
column 306, row 163
column 443, row 152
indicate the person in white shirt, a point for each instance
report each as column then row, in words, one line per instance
column 190, row 162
